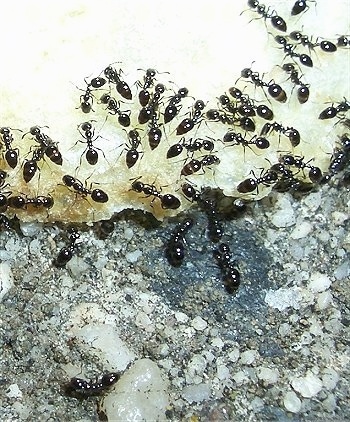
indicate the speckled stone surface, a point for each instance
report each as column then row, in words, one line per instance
column 277, row 350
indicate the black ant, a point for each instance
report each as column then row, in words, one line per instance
column 149, row 111
column 4, row 222
column 30, row 167
column 274, row 90
column 20, row 202
column 290, row 132
column 114, row 108
column 121, row 86
column 303, row 90
column 237, row 139
column 299, row 7
column 246, row 123
column 249, row 185
column 230, row 275
column 209, row 206
column 330, row 112
column 11, row 155
column 340, row 158
column 187, row 124
column 289, row 50
column 190, row 192
column 343, row 41
column 171, row 110
column 175, row 250
column 154, row 133
column 66, row 253
column 87, row 130
column 86, row 99
column 194, row 165
column 315, row 174
column 326, row 46
column 247, row 103
column 215, row 230
column 3, row 175
column 47, row 145
column 132, row 154
column 97, row 195
column 191, row 145
column 148, row 81
column 82, row 389
column 276, row 21
column 167, row 201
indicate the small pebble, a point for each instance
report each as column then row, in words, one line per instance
column 308, row 386
column 324, row 299
column 270, row 376
column 6, row 279
column 196, row 393
column 301, row 230
column 199, row 324
column 319, row 282
column 292, row 402
column 248, row 357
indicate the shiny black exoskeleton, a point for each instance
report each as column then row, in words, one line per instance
column 230, row 275
column 82, row 389
column 292, row 134
column 97, row 195
column 276, row 21
column 11, row 154
column 113, row 106
column 167, row 201
column 188, row 123
column 269, row 178
column 173, row 107
column 175, row 249
column 66, row 253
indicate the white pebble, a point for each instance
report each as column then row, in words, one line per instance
column 283, row 298
column 234, row 355
column 283, row 215
column 143, row 320
column 330, row 378
column 105, row 342
column 196, row 393
column 324, row 299
column 197, row 365
column 270, row 376
column 133, row 256
column 199, row 324
column 248, row 357
column 217, row 342
column 342, row 271
column 13, row 392
column 181, row 317
column 292, row 402
column 339, row 217
column 330, row 403
column 313, row 200
column 30, row 229
column 301, row 230
column 284, row 329
column 6, row 279
column 128, row 233
column 319, row 282
column 222, row 372
column 240, row 377
column 308, row 386
column 139, row 395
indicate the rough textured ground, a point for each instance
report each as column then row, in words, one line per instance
column 276, row 351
